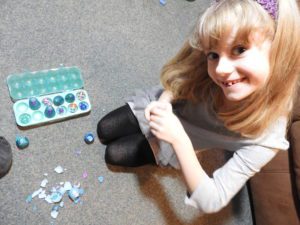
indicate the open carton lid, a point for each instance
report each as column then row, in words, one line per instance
column 44, row 82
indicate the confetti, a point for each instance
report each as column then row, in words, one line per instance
column 77, row 152
column 85, row 174
column 29, row 199
column 56, row 194
column 101, row 179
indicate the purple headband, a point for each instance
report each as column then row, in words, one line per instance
column 270, row 6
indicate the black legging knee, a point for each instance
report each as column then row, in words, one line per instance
column 126, row 145
column 118, row 123
column 132, row 150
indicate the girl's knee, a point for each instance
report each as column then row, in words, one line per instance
column 114, row 155
column 101, row 131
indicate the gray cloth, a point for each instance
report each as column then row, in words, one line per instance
column 206, row 131
column 5, row 156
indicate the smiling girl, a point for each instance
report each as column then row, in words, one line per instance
column 231, row 86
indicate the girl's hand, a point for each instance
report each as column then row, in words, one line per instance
column 163, row 123
column 166, row 126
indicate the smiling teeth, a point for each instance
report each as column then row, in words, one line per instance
column 230, row 83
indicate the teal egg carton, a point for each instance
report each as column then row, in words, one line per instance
column 48, row 95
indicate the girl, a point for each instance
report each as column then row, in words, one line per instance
column 232, row 86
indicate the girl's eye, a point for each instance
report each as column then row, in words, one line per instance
column 212, row 56
column 238, row 50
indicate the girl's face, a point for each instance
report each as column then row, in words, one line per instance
column 239, row 68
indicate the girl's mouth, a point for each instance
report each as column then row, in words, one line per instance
column 232, row 82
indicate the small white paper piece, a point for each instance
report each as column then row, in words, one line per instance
column 36, row 193
column 62, row 190
column 59, row 169
column 43, row 194
column 67, row 186
column 54, row 214
column 44, row 183
column 48, row 199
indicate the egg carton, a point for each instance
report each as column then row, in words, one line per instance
column 47, row 96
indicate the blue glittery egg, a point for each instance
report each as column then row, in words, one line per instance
column 58, row 100
column 83, row 106
column 89, row 138
column 22, row 142
column 49, row 111
column 34, row 103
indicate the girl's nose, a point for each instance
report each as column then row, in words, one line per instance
column 225, row 66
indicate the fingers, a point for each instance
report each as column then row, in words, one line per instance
column 153, row 131
column 156, row 119
column 158, row 122
column 158, row 108
column 154, row 126
column 158, row 112
column 148, row 109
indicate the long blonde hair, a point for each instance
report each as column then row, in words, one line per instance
column 186, row 74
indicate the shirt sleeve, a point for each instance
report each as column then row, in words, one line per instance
column 213, row 193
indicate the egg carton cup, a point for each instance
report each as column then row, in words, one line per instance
column 46, row 96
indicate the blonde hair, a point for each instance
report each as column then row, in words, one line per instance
column 186, row 74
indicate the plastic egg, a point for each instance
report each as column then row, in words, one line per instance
column 72, row 108
column 81, row 95
column 61, row 110
column 83, row 106
column 70, row 98
column 22, row 142
column 49, row 111
column 34, row 103
column 89, row 138
column 58, row 100
column 47, row 101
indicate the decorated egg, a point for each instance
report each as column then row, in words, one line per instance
column 80, row 95
column 47, row 101
column 61, row 110
column 70, row 98
column 58, row 100
column 34, row 103
column 83, row 106
column 49, row 111
column 89, row 138
column 22, row 142
column 72, row 107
